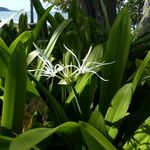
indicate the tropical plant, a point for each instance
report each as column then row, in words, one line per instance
column 76, row 96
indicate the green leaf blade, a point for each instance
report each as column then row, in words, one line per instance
column 31, row 138
column 117, row 50
column 94, row 139
column 118, row 109
column 15, row 90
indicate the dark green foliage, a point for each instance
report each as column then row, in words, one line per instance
column 8, row 32
column 23, row 23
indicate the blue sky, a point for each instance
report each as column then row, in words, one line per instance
column 16, row 4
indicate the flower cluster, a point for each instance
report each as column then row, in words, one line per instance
column 61, row 71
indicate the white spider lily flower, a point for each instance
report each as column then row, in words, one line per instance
column 86, row 67
column 49, row 70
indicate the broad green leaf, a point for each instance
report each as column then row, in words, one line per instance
column 15, row 90
column 94, row 139
column 97, row 121
column 122, row 100
column 31, row 138
column 130, row 126
column 51, row 45
column 24, row 37
column 117, row 50
column 5, row 142
column 141, row 138
column 118, row 108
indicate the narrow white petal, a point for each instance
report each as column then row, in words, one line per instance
column 73, row 55
column 87, row 55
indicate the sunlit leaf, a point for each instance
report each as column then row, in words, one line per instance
column 31, row 138
column 94, row 139
column 118, row 108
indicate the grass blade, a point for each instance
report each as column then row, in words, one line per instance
column 51, row 45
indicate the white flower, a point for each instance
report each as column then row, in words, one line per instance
column 69, row 72
column 49, row 70
column 86, row 67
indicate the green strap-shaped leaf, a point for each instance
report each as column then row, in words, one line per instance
column 117, row 50
column 32, row 56
column 140, row 70
column 4, row 58
column 51, row 45
column 97, row 121
column 118, row 108
column 30, row 138
column 41, row 11
column 41, row 22
column 24, row 37
column 122, row 99
column 15, row 91
column 94, row 139
column 79, row 87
